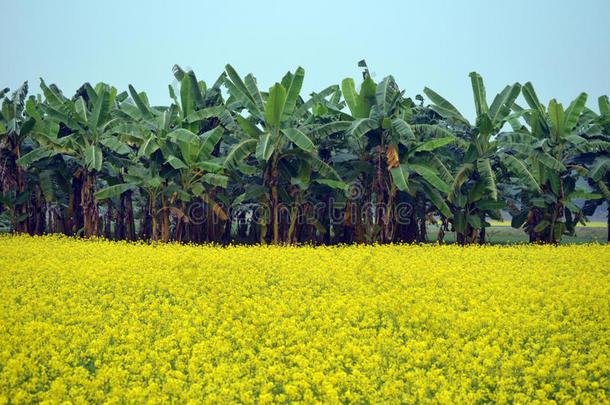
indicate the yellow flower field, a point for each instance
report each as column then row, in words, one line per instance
column 96, row 321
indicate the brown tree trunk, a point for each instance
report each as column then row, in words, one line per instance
column 412, row 228
column 348, row 225
column 119, row 223
column 210, row 219
column 73, row 220
column 292, row 233
column 131, row 225
column 155, row 236
column 423, row 232
column 482, row 236
column 466, row 237
column 180, row 224
column 90, row 205
column 226, row 235
column 242, row 226
column 108, row 222
column 23, row 226
column 389, row 221
column 220, row 226
column 195, row 227
column 275, row 205
column 459, row 238
column 145, row 231
column 442, row 229
column 165, row 219
column 40, row 213
column 153, row 215
column 57, row 223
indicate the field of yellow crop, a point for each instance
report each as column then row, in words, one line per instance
column 96, row 321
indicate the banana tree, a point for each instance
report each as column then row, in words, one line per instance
column 378, row 123
column 376, row 132
column 549, row 152
column 146, row 128
column 273, row 132
column 87, row 120
column 595, row 166
column 57, row 174
column 202, row 109
column 395, row 138
column 199, row 172
column 300, row 189
column 15, row 127
column 172, row 153
column 474, row 190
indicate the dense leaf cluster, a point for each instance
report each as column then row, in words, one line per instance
column 231, row 163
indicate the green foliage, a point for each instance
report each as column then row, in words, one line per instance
column 366, row 148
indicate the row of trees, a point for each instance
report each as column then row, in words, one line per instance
column 344, row 165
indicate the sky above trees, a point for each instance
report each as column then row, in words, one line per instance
column 561, row 46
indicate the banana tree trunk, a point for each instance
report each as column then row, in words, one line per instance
column 57, row 220
column 459, row 238
column 23, row 226
column 378, row 235
column 358, row 222
column 275, row 204
column 155, row 235
column 465, row 238
column 40, row 212
column 348, row 223
column 389, row 221
column 130, row 226
column 262, row 231
column 410, row 229
column 215, row 220
column 146, row 229
column 468, row 237
column 165, row 220
column 552, row 237
column 292, row 229
column 482, row 232
column 153, row 214
column 119, row 223
column 226, row 235
column 482, row 236
column 90, row 205
column 242, row 226
column 423, row 232
column 51, row 222
column 442, row 229
column 73, row 220
column 209, row 228
column 195, row 226
column 180, row 224
column 108, row 222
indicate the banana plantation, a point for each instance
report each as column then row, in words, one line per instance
column 360, row 162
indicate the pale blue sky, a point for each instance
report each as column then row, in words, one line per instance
column 563, row 47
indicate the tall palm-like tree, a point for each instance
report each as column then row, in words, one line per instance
column 274, row 132
column 87, row 121
column 549, row 151
column 474, row 190
column 15, row 127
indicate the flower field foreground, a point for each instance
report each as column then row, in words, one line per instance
column 98, row 321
